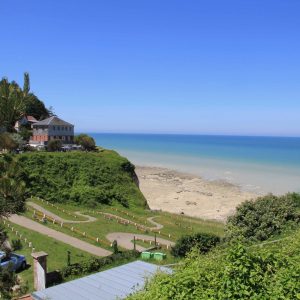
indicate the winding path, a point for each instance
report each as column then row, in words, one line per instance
column 62, row 237
column 124, row 240
column 56, row 217
column 157, row 225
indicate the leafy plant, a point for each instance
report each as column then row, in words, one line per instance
column 54, row 145
column 204, row 242
column 85, row 141
column 16, row 244
column 262, row 218
column 83, row 178
column 96, row 264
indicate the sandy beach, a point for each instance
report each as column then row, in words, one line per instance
column 177, row 192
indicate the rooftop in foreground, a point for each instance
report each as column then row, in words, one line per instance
column 115, row 283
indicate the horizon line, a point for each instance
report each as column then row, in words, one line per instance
column 188, row 134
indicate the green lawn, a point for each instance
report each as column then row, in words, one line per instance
column 57, row 252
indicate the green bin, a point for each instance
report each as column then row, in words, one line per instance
column 146, row 255
column 159, row 256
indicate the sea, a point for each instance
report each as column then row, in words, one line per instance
column 256, row 164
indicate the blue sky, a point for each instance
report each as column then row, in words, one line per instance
column 212, row 67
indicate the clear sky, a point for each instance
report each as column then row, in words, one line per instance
column 212, row 67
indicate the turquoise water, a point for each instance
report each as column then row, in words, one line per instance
column 262, row 164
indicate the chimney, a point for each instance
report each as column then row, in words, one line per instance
column 40, row 270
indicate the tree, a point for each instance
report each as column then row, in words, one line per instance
column 12, row 186
column 7, row 142
column 54, row 145
column 85, row 141
column 12, row 105
column 12, row 200
column 33, row 105
column 8, row 279
column 16, row 102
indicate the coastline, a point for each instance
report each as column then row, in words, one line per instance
column 179, row 192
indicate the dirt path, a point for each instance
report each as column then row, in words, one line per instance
column 125, row 240
column 56, row 217
column 62, row 237
column 157, row 225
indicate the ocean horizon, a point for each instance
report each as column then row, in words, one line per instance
column 258, row 164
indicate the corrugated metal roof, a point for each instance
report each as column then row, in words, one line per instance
column 54, row 120
column 116, row 283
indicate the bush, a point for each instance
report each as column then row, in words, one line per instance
column 262, row 218
column 96, row 264
column 240, row 274
column 85, row 141
column 16, row 245
column 203, row 241
column 84, row 178
column 54, row 145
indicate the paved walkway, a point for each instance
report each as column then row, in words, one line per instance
column 125, row 239
column 62, row 237
column 56, row 217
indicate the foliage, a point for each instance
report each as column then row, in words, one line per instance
column 115, row 247
column 84, row 178
column 7, row 142
column 262, row 218
column 12, row 186
column 16, row 244
column 12, row 105
column 203, row 241
column 8, row 280
column 240, row 274
column 85, row 141
column 96, row 264
column 54, row 145
column 3, row 236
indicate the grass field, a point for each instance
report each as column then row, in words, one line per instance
column 56, row 250
column 174, row 227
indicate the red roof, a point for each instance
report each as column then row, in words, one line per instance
column 31, row 119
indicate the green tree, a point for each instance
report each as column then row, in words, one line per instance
column 85, row 141
column 15, row 102
column 54, row 145
column 33, row 105
column 12, row 186
column 7, row 142
column 12, row 200
column 12, row 104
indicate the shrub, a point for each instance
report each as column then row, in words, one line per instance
column 96, row 264
column 85, row 141
column 84, row 178
column 240, row 274
column 16, row 245
column 203, row 241
column 54, row 145
column 262, row 218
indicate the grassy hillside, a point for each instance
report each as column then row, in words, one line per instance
column 84, row 178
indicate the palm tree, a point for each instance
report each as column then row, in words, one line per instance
column 12, row 104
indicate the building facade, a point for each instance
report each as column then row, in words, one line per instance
column 52, row 128
column 25, row 121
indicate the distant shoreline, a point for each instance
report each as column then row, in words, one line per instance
column 179, row 192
